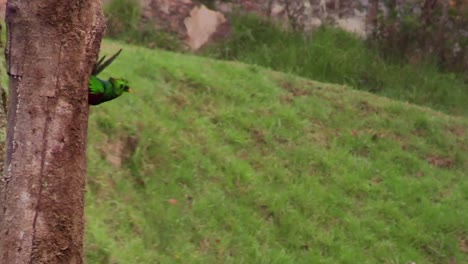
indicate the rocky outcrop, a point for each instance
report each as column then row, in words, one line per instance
column 193, row 23
column 204, row 24
column 305, row 15
column 196, row 25
column 438, row 27
column 167, row 14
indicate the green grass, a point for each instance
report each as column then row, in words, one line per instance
column 334, row 56
column 267, row 167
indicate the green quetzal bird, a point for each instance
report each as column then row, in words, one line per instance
column 100, row 91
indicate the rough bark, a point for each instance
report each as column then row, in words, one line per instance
column 3, row 119
column 51, row 47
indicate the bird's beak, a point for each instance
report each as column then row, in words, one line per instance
column 129, row 90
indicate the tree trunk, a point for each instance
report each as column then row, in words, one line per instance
column 3, row 119
column 51, row 47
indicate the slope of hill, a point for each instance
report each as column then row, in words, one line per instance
column 215, row 162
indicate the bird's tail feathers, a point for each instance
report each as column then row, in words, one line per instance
column 101, row 64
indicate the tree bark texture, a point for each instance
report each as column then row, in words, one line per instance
column 3, row 118
column 51, row 47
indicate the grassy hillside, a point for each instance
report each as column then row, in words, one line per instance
column 334, row 56
column 216, row 162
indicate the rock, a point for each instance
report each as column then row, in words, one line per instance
column 202, row 24
column 224, row 7
column 313, row 23
column 306, row 15
column 354, row 25
column 193, row 23
column 167, row 14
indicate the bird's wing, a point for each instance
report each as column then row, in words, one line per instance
column 96, row 86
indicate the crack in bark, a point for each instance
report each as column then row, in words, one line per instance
column 44, row 156
column 5, row 178
column 17, row 74
column 41, row 184
column 10, row 145
column 8, row 46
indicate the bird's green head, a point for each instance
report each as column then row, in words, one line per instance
column 120, row 85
